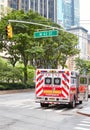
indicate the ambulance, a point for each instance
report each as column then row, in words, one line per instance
column 56, row 86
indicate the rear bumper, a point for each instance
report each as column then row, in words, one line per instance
column 52, row 100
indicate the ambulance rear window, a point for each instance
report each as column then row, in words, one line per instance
column 48, row 80
column 73, row 80
column 57, row 81
column 83, row 80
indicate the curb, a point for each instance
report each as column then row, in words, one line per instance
column 2, row 92
column 85, row 114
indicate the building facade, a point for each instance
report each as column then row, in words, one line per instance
column 83, row 46
column 88, row 47
column 71, row 13
column 3, row 7
column 63, row 12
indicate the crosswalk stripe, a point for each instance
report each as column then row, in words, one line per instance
column 83, row 124
column 85, row 121
column 25, row 106
column 58, row 111
column 81, row 128
column 31, row 108
column 47, row 110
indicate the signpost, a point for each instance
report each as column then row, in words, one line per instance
column 40, row 34
column 50, row 33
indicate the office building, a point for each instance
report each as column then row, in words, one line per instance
column 83, row 45
column 71, row 13
column 63, row 12
column 3, row 7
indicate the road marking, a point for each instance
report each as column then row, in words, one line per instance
column 85, row 121
column 59, row 111
column 25, row 106
column 47, row 110
column 31, row 107
column 83, row 124
column 17, row 105
column 81, row 128
column 29, row 104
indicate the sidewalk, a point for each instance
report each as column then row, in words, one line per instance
column 84, row 111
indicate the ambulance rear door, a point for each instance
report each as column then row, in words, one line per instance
column 83, row 88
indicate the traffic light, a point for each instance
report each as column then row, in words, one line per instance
column 9, row 31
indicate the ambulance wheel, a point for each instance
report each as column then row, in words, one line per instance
column 73, row 103
column 80, row 102
column 44, row 104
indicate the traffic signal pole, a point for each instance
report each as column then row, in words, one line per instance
column 43, row 25
column 38, row 24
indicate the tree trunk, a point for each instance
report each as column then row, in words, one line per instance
column 25, row 71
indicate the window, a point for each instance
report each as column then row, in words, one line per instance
column 48, row 81
column 73, row 80
column 83, row 80
column 57, row 81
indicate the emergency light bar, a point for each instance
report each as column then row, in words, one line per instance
column 53, row 71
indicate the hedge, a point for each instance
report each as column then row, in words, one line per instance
column 13, row 86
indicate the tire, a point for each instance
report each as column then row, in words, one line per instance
column 73, row 103
column 80, row 102
column 44, row 104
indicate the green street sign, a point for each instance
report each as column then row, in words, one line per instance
column 50, row 33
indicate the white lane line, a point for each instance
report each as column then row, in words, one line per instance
column 25, row 106
column 16, row 106
column 85, row 122
column 31, row 108
column 59, row 111
column 81, row 128
column 47, row 110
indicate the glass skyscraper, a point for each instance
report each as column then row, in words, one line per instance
column 63, row 12
column 71, row 13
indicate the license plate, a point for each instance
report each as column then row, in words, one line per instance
column 51, row 99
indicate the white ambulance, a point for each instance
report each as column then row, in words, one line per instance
column 55, row 86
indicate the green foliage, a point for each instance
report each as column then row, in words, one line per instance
column 13, row 86
column 11, row 74
column 83, row 66
column 40, row 53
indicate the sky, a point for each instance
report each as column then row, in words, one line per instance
column 85, row 14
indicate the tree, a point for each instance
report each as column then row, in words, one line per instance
column 83, row 66
column 42, row 52
column 23, row 43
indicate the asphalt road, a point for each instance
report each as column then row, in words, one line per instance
column 20, row 112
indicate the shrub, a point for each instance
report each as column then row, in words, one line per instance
column 13, row 86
